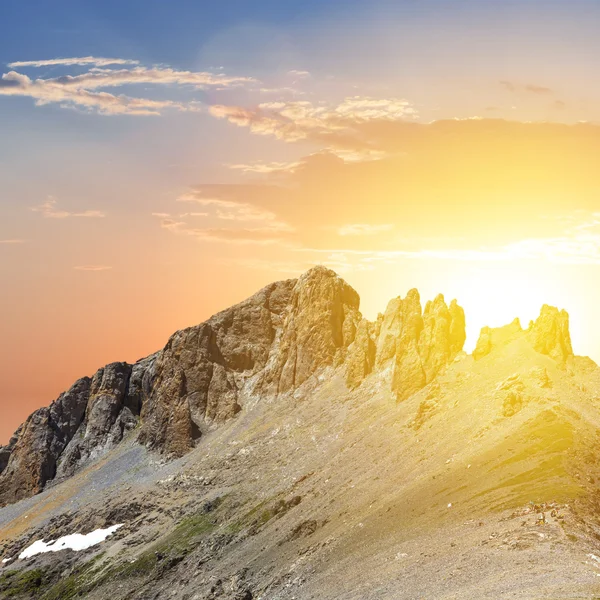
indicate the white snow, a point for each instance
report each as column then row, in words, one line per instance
column 5, row 560
column 75, row 541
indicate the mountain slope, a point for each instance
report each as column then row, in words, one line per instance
column 393, row 466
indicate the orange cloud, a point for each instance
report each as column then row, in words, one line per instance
column 49, row 211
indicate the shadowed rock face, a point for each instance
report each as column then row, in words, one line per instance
column 39, row 442
column 270, row 344
column 199, row 374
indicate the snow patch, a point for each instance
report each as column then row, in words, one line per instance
column 5, row 560
column 75, row 541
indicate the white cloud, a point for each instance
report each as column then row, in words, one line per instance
column 299, row 74
column 81, row 90
column 49, row 211
column 293, row 121
column 264, row 168
column 67, row 62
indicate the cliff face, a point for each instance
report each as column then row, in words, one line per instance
column 266, row 346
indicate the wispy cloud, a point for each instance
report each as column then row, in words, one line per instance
column 338, row 125
column 49, row 210
column 299, row 73
column 264, row 168
column 364, row 229
column 68, row 62
column 242, row 235
column 81, row 90
column 229, row 210
column 530, row 88
column 93, row 268
column 246, row 223
column 12, row 242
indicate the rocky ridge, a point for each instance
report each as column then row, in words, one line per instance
column 267, row 346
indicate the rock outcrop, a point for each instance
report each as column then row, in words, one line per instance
column 550, row 334
column 417, row 344
column 199, row 373
column 268, row 345
column 362, row 353
column 318, row 328
column 495, row 337
column 40, row 441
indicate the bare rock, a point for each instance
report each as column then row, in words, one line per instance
column 361, row 354
column 496, row 337
column 540, row 377
column 550, row 334
column 194, row 379
column 39, row 443
column 423, row 344
column 319, row 327
column 106, row 421
column 511, row 393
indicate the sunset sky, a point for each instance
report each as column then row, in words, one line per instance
column 161, row 161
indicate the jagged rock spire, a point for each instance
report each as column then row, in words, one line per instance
column 550, row 334
column 419, row 344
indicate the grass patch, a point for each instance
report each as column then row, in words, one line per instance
column 79, row 582
column 20, row 583
column 167, row 552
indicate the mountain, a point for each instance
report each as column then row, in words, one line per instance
column 289, row 448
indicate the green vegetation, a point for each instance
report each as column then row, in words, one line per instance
column 79, row 582
column 20, row 583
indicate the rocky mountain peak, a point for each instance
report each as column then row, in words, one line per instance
column 287, row 335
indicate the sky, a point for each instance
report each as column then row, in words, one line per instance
column 162, row 161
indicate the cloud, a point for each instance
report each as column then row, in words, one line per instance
column 229, row 210
column 93, row 268
column 299, row 74
column 263, row 168
column 83, row 90
column 67, row 62
column 103, row 78
column 12, row 242
column 245, row 235
column 343, row 127
column 246, row 222
column 530, row 88
column 364, row 229
column 49, row 92
column 465, row 191
column 49, row 211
